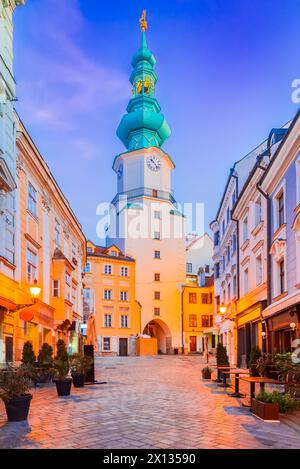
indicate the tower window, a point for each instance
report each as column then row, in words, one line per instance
column 154, row 193
column 146, row 87
column 157, row 295
column 157, row 277
column 157, row 254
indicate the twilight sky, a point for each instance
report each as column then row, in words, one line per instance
column 224, row 70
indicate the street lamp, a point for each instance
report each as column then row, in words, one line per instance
column 222, row 309
column 293, row 326
column 35, row 291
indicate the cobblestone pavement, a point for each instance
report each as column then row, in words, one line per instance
column 150, row 402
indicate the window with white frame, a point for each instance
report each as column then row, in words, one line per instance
column 124, row 320
column 108, row 269
column 157, row 214
column 31, row 265
column 107, row 320
column 245, row 230
column 56, row 232
column 259, row 267
column 246, row 281
column 55, row 288
column 106, row 344
column 73, row 250
column 189, row 267
column 257, row 211
column 280, row 209
column 281, row 272
column 87, row 268
column 67, row 286
column 74, row 297
column 234, row 244
column 66, row 247
column 107, row 294
column 124, row 271
column 124, row 295
column 234, row 286
column 156, row 254
column 156, row 235
column 32, row 199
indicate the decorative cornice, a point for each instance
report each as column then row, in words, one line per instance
column 278, row 249
column 12, row 3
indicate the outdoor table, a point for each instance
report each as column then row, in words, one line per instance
column 237, row 374
column 262, row 381
column 218, row 380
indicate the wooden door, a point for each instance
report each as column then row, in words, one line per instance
column 8, row 349
column 123, row 347
column 193, row 343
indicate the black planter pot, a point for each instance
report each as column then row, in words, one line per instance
column 78, row 380
column 206, row 375
column 17, row 408
column 63, row 386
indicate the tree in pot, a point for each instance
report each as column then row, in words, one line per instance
column 222, row 359
column 80, row 365
column 61, row 370
column 45, row 362
column 206, row 373
column 255, row 355
column 14, row 391
column 28, row 355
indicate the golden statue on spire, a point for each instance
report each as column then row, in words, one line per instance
column 143, row 21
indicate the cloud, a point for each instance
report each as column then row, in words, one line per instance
column 60, row 82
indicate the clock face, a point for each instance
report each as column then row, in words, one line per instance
column 153, row 163
column 120, row 171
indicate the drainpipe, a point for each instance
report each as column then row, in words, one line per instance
column 237, row 239
column 269, row 273
column 181, row 287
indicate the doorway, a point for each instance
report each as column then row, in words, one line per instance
column 193, row 343
column 123, row 347
column 9, row 344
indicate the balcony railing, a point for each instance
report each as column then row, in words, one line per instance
column 144, row 192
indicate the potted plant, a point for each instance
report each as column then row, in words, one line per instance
column 254, row 356
column 14, row 391
column 222, row 359
column 268, row 405
column 80, row 364
column 264, row 408
column 28, row 356
column 266, row 365
column 45, row 363
column 206, row 373
column 61, row 370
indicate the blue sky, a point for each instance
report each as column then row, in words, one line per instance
column 225, row 70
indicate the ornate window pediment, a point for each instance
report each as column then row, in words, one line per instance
column 296, row 226
column 7, row 182
column 278, row 249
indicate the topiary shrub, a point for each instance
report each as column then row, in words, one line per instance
column 45, row 356
column 28, row 356
column 221, row 355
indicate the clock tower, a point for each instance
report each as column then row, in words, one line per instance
column 145, row 221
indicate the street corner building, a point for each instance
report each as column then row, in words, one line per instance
column 44, row 245
column 109, row 295
column 147, row 224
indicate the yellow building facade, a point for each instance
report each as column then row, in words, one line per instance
column 198, row 316
column 109, row 294
column 48, row 248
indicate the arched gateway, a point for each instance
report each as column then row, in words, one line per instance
column 159, row 329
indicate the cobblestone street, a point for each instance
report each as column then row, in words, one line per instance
column 151, row 402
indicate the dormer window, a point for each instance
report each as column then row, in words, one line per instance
column 139, row 87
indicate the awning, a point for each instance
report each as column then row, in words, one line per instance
column 284, row 303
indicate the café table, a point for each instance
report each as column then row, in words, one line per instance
column 253, row 380
column 236, row 374
column 221, row 370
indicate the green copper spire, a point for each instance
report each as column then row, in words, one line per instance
column 143, row 126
